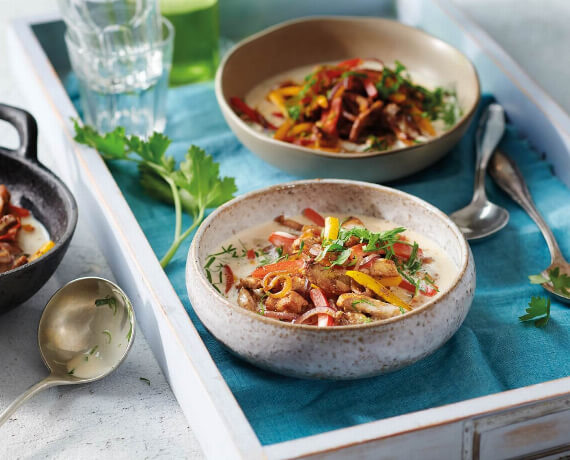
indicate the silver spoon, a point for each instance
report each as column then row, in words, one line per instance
column 481, row 218
column 508, row 176
column 85, row 332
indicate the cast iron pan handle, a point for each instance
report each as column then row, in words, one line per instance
column 27, row 129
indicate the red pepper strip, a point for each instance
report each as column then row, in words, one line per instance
column 350, row 63
column 229, row 277
column 319, row 299
column 404, row 251
column 242, row 108
column 277, row 114
column 370, row 88
column 12, row 232
column 282, row 239
column 283, row 266
column 250, row 254
column 330, row 118
column 426, row 290
column 313, row 215
column 358, row 250
column 331, row 74
column 18, row 211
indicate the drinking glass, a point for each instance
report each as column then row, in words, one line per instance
column 107, row 25
column 126, row 85
column 196, row 46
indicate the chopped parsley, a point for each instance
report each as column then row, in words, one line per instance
column 107, row 333
column 108, row 300
column 145, row 380
column 375, row 144
column 294, row 112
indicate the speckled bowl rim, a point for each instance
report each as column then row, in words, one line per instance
column 192, row 262
column 465, row 118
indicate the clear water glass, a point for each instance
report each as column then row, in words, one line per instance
column 108, row 25
column 125, row 85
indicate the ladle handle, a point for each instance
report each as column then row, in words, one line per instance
column 507, row 175
column 489, row 134
column 34, row 389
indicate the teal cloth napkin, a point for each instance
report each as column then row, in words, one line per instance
column 491, row 352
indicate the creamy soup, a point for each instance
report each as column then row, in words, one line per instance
column 22, row 237
column 351, row 269
column 32, row 236
column 372, row 114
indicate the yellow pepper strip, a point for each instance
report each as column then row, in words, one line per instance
column 282, row 131
column 277, row 99
column 317, row 146
column 322, row 101
column 426, row 126
column 301, row 128
column 378, row 288
column 391, row 280
column 398, row 97
column 272, row 279
column 41, row 251
column 331, row 228
column 288, row 90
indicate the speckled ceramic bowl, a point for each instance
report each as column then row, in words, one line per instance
column 312, row 41
column 346, row 352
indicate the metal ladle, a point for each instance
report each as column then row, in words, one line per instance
column 508, row 176
column 481, row 218
column 85, row 332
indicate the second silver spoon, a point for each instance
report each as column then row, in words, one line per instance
column 481, row 218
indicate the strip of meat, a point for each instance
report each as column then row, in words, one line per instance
column 352, row 222
column 348, row 318
column 6, row 221
column 333, row 281
column 374, row 308
column 292, row 302
column 364, row 120
column 250, row 282
column 245, row 299
column 289, row 223
column 4, row 200
column 383, row 268
column 5, row 256
column 22, row 260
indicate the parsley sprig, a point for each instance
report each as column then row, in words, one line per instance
column 539, row 307
column 194, row 186
column 560, row 281
column 538, row 310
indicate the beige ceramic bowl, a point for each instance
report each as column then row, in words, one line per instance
column 345, row 352
column 313, row 41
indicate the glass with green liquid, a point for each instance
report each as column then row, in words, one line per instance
column 196, row 26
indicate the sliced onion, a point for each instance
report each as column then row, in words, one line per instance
column 315, row 250
column 315, row 311
column 280, row 315
column 285, row 234
column 367, row 260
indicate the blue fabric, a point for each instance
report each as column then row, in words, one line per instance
column 491, row 352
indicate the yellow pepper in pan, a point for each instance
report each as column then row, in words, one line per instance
column 41, row 251
column 378, row 288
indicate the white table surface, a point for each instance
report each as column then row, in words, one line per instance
column 122, row 416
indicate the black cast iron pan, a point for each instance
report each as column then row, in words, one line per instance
column 36, row 188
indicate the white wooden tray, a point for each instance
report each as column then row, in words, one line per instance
column 494, row 426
